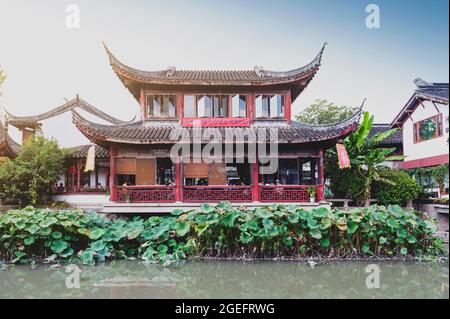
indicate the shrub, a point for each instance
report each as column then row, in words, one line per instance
column 32, row 173
column 402, row 189
column 344, row 183
column 217, row 231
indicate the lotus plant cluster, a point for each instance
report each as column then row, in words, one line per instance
column 221, row 231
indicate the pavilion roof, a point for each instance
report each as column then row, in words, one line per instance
column 297, row 79
column 150, row 132
column 30, row 121
column 81, row 151
column 434, row 92
column 7, row 144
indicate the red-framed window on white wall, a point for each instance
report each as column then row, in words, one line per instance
column 428, row 129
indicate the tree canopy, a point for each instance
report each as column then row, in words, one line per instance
column 324, row 112
column 33, row 172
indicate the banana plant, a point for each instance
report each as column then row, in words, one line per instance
column 366, row 154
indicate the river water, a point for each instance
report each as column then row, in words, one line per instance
column 224, row 279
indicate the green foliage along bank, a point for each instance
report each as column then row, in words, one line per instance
column 220, row 231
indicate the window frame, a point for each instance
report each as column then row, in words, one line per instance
column 438, row 120
column 149, row 114
column 269, row 97
column 221, row 98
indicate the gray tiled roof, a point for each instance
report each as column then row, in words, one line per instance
column 298, row 78
column 395, row 139
column 148, row 133
column 434, row 92
column 82, row 151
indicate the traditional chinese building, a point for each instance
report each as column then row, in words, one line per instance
column 213, row 109
column 425, row 127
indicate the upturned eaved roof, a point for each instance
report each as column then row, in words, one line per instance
column 29, row 121
column 434, row 92
column 298, row 78
column 8, row 147
column 81, row 151
column 150, row 133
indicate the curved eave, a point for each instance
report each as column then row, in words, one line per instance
column 132, row 77
column 29, row 121
column 9, row 146
column 137, row 133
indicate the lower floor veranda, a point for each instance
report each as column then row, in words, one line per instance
column 151, row 176
column 286, row 178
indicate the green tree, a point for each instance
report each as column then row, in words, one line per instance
column 365, row 156
column 33, row 172
column 324, row 112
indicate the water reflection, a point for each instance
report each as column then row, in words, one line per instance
column 133, row 279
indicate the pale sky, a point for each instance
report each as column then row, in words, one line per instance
column 47, row 62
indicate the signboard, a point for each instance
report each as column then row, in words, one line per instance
column 344, row 160
column 216, row 122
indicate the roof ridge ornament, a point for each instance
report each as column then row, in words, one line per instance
column 171, row 71
column 421, row 83
column 259, row 70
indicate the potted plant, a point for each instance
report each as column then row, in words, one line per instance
column 312, row 194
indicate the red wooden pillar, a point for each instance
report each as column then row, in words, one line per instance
column 143, row 106
column 321, row 186
column 112, row 173
column 255, row 180
column 180, row 103
column 96, row 178
column 79, row 175
column 178, row 182
column 251, row 107
column 72, row 172
column 287, row 111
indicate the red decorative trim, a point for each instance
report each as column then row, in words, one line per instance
column 216, row 122
column 201, row 194
column 287, row 193
column 146, row 194
column 427, row 161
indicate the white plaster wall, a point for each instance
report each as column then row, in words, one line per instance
column 82, row 198
column 434, row 147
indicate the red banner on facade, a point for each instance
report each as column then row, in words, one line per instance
column 344, row 160
column 216, row 122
